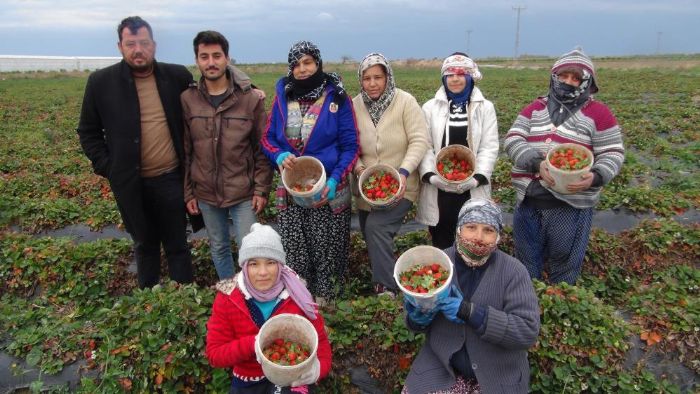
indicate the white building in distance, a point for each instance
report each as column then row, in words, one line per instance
column 9, row 63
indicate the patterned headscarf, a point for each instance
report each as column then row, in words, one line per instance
column 298, row 50
column 310, row 89
column 576, row 58
column 482, row 211
column 564, row 100
column 459, row 63
column 377, row 107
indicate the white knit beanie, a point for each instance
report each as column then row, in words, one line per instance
column 460, row 64
column 262, row 241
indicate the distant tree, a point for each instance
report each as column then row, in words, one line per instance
column 345, row 59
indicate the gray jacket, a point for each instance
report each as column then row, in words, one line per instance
column 499, row 356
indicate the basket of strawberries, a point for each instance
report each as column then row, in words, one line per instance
column 567, row 163
column 455, row 163
column 424, row 273
column 305, row 181
column 379, row 186
column 286, row 346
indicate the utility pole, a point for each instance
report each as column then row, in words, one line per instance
column 517, row 31
column 469, row 34
column 658, row 42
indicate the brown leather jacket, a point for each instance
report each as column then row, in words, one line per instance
column 223, row 161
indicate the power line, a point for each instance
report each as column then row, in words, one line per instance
column 517, row 31
column 658, row 42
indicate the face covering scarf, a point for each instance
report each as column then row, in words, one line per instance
column 474, row 253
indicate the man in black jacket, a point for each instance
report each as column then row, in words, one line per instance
column 131, row 130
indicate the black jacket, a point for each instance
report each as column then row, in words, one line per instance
column 110, row 130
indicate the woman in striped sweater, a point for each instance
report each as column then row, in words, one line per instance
column 392, row 131
column 548, row 225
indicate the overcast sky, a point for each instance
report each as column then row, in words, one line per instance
column 263, row 30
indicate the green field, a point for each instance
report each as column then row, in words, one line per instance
column 59, row 300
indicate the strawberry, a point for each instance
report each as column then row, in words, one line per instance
column 454, row 169
column 423, row 278
column 380, row 186
column 569, row 159
column 283, row 352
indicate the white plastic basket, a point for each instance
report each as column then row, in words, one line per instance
column 563, row 178
column 289, row 327
column 307, row 170
column 371, row 170
column 424, row 255
column 462, row 152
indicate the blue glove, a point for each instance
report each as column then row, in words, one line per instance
column 281, row 157
column 417, row 316
column 450, row 305
column 331, row 184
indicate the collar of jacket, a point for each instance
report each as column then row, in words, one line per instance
column 227, row 286
column 441, row 95
column 235, row 84
column 282, row 97
column 126, row 70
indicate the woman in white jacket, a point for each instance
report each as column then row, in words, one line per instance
column 458, row 114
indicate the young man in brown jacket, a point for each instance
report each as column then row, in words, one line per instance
column 226, row 173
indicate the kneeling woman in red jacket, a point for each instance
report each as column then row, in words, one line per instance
column 265, row 287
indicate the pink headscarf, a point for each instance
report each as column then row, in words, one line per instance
column 286, row 279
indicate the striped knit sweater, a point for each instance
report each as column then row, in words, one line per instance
column 533, row 134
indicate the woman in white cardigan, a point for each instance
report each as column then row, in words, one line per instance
column 458, row 114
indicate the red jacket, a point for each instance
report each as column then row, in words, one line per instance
column 231, row 335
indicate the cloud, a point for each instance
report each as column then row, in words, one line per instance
column 325, row 16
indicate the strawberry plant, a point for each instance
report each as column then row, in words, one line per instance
column 581, row 346
column 371, row 331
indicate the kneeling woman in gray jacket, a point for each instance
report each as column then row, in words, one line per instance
column 477, row 336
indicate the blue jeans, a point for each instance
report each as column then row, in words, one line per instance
column 216, row 221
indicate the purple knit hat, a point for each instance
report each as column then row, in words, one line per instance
column 576, row 58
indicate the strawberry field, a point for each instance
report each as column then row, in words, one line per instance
column 631, row 324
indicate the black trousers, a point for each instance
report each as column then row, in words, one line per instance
column 449, row 204
column 267, row 387
column 164, row 208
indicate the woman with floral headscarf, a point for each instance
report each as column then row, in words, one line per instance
column 548, row 225
column 457, row 115
column 478, row 336
column 264, row 287
column 312, row 115
column 392, row 131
